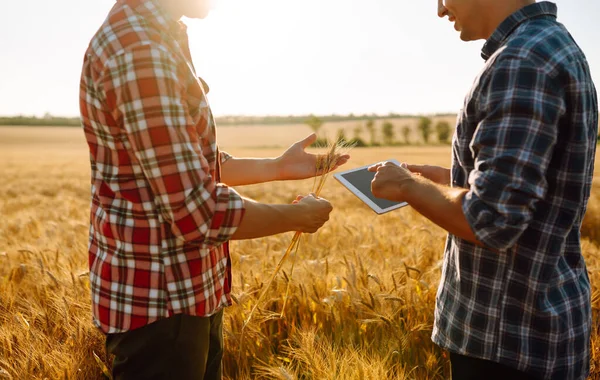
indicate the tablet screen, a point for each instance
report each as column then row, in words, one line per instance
column 361, row 179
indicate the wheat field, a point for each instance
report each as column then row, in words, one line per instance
column 361, row 295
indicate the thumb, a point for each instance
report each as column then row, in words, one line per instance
column 308, row 141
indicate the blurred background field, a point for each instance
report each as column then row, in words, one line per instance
column 361, row 296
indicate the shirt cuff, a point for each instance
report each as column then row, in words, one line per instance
column 482, row 220
column 227, row 217
column 224, row 157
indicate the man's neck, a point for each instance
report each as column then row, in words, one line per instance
column 499, row 11
column 172, row 8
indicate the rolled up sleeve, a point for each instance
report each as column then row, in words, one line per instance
column 144, row 92
column 224, row 157
column 521, row 106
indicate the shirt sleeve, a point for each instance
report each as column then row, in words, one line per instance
column 225, row 157
column 143, row 91
column 512, row 147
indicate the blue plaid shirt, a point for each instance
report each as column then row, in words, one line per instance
column 524, row 148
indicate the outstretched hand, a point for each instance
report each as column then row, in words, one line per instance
column 296, row 163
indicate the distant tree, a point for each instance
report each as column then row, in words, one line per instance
column 314, row 123
column 371, row 128
column 406, row 134
column 443, row 131
column 358, row 130
column 388, row 133
column 357, row 142
column 425, row 128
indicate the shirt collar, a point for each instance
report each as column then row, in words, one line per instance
column 505, row 29
column 157, row 16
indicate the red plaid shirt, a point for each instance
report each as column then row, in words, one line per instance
column 160, row 221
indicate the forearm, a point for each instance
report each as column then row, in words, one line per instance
column 437, row 174
column 265, row 220
column 442, row 205
column 248, row 171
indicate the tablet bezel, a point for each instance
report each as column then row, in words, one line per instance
column 339, row 176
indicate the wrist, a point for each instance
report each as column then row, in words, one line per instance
column 295, row 213
column 289, row 216
column 409, row 187
column 270, row 169
column 447, row 177
column 277, row 167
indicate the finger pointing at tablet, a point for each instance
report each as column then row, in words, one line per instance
column 390, row 180
column 374, row 168
column 358, row 181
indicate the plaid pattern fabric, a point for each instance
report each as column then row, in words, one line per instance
column 160, row 221
column 524, row 147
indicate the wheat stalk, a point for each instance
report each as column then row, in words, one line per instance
column 325, row 164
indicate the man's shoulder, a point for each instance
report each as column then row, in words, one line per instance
column 122, row 30
column 543, row 43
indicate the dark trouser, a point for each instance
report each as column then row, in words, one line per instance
column 180, row 347
column 467, row 368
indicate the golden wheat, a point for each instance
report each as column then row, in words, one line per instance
column 360, row 301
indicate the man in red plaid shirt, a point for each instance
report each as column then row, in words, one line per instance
column 162, row 211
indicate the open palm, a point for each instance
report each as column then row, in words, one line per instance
column 296, row 163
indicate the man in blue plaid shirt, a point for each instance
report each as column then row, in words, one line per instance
column 514, row 297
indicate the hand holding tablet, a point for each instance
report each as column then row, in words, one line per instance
column 358, row 181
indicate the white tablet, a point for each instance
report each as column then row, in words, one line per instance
column 358, row 181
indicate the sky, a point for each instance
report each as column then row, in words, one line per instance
column 274, row 57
